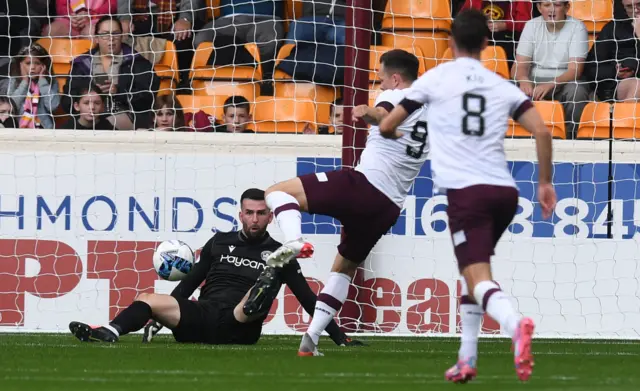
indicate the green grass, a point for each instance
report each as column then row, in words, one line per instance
column 59, row 362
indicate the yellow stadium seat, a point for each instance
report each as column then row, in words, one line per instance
column 321, row 96
column 284, row 115
column 432, row 44
column 210, row 104
column 284, row 51
column 411, row 15
column 553, row 116
column 167, row 70
column 625, row 120
column 293, row 9
column 377, row 51
column 594, row 13
column 493, row 58
column 200, row 70
column 211, row 87
column 594, row 122
column 63, row 51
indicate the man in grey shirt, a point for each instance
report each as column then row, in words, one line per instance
column 550, row 60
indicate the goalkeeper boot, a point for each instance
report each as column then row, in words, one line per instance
column 263, row 293
column 523, row 357
column 86, row 333
column 292, row 249
column 462, row 372
column 308, row 348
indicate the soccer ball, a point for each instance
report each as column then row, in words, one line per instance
column 173, row 259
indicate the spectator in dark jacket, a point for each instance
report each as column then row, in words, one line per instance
column 612, row 63
column 321, row 21
column 124, row 75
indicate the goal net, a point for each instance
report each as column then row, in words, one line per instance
column 82, row 207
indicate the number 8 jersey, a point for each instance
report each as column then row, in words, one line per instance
column 390, row 165
column 468, row 107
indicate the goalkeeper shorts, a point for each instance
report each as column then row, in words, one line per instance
column 213, row 323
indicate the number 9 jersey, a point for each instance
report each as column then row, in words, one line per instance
column 468, row 107
column 390, row 165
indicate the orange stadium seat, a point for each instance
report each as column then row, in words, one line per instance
column 209, row 80
column 377, row 51
column 284, row 115
column 63, row 51
column 284, row 51
column 594, row 13
column 321, row 96
column 293, row 9
column 200, row 70
column 594, row 122
column 373, row 95
column 167, row 70
column 493, row 58
column 411, row 15
column 433, row 45
column 213, row 9
column 625, row 120
column 210, row 104
column 553, row 116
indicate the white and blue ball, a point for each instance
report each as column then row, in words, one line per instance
column 173, row 260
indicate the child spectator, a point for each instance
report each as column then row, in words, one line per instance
column 32, row 89
column 237, row 115
column 337, row 112
column 8, row 113
column 78, row 17
column 89, row 104
column 169, row 115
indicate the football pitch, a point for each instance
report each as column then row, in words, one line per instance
column 60, row 362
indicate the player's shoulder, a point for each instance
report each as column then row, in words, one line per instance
column 220, row 238
column 391, row 96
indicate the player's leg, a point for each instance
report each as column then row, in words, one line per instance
column 260, row 297
column 329, row 302
column 162, row 308
column 286, row 200
column 470, row 322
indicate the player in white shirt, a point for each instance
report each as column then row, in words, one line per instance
column 367, row 200
column 467, row 110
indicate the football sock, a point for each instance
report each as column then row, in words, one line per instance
column 132, row 318
column 470, row 321
column 329, row 302
column 287, row 211
column 497, row 305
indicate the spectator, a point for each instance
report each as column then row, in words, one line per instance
column 21, row 23
column 8, row 113
column 506, row 21
column 612, row 63
column 237, row 115
column 169, row 115
column 249, row 21
column 78, row 17
column 89, row 107
column 550, row 60
column 169, row 19
column 32, row 88
column 337, row 113
column 124, row 75
column 322, row 21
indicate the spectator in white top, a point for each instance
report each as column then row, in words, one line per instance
column 550, row 60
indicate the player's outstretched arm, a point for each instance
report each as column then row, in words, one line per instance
column 390, row 122
column 197, row 275
column 532, row 122
column 370, row 115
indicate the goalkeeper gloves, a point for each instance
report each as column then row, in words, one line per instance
column 150, row 331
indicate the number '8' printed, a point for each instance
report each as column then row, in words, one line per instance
column 418, row 134
column 473, row 121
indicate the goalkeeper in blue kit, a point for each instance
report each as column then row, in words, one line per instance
column 235, row 299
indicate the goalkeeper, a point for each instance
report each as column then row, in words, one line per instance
column 236, row 296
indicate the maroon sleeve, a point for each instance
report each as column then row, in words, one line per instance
column 386, row 105
column 410, row 105
column 521, row 109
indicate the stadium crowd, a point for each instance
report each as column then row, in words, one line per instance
column 219, row 65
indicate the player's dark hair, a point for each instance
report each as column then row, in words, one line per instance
column 470, row 30
column 401, row 62
column 237, row 101
column 252, row 194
